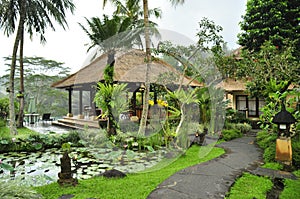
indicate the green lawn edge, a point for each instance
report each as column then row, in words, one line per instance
column 250, row 186
column 137, row 185
column 291, row 187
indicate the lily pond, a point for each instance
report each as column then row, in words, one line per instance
column 40, row 168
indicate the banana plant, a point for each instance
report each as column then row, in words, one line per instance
column 183, row 98
column 109, row 99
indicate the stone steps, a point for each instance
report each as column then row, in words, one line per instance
column 76, row 123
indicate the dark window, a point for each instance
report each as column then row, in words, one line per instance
column 252, row 105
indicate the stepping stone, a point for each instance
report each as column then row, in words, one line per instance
column 114, row 174
column 66, row 196
column 274, row 173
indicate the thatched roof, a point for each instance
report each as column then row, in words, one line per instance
column 234, row 85
column 231, row 85
column 129, row 66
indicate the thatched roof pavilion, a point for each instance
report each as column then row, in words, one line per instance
column 129, row 67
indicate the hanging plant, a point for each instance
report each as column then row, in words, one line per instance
column 20, row 95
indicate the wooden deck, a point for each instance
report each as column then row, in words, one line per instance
column 76, row 123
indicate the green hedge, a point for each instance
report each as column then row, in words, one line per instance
column 296, row 152
column 230, row 134
column 242, row 127
column 2, row 122
column 9, row 190
column 37, row 142
column 267, row 141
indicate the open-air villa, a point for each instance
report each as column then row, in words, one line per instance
column 130, row 68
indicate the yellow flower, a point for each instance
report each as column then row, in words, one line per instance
column 151, row 102
column 162, row 103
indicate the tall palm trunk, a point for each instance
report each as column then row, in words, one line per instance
column 21, row 110
column 109, row 80
column 12, row 124
column 143, row 123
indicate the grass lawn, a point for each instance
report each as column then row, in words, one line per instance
column 22, row 132
column 249, row 187
column 135, row 186
column 291, row 188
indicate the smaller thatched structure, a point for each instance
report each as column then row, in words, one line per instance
column 239, row 99
column 232, row 85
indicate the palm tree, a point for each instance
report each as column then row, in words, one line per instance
column 142, row 128
column 33, row 16
column 126, row 25
column 132, row 11
column 101, row 34
column 122, row 30
column 147, row 26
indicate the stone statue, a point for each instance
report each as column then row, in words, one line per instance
column 65, row 176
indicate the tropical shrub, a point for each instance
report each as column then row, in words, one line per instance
column 230, row 134
column 35, row 142
column 112, row 100
column 243, row 127
column 264, row 139
column 234, row 116
column 267, row 141
column 296, row 152
column 10, row 190
column 275, row 100
column 2, row 122
column 96, row 138
column 133, row 142
column 128, row 126
column 269, row 153
column 4, row 107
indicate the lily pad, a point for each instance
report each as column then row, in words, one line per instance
column 103, row 166
column 85, row 177
column 91, row 173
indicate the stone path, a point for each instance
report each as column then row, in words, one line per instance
column 214, row 178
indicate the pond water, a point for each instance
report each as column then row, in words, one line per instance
column 42, row 168
column 45, row 127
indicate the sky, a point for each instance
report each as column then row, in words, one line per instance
column 70, row 45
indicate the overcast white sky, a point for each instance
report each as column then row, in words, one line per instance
column 69, row 46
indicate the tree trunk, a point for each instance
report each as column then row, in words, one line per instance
column 109, row 80
column 143, row 123
column 21, row 110
column 12, row 124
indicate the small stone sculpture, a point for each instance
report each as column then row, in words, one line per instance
column 65, row 176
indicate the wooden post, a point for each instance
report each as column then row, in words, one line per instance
column 70, row 89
